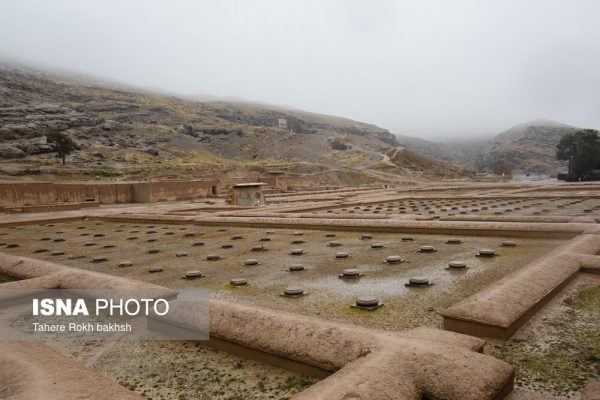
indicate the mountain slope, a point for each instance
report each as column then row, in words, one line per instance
column 525, row 148
column 467, row 154
column 529, row 147
column 408, row 162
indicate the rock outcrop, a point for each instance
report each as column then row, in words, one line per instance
column 22, row 121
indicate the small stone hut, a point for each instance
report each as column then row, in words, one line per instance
column 247, row 194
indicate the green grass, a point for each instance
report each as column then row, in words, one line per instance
column 364, row 353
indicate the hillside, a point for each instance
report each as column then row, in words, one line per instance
column 525, row 148
column 401, row 160
column 529, row 147
column 466, row 154
column 129, row 133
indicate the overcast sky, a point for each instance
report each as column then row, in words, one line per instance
column 434, row 69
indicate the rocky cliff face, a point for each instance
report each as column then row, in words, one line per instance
column 22, row 121
column 23, row 127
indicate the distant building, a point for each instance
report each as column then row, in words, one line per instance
column 282, row 123
column 530, row 177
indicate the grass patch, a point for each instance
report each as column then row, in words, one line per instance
column 296, row 383
column 104, row 172
column 571, row 355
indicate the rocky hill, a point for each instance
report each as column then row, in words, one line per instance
column 407, row 162
column 529, row 147
column 128, row 133
column 525, row 148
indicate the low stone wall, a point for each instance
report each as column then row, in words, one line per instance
column 150, row 192
column 500, row 309
column 282, row 182
column 26, row 194
column 589, row 263
column 32, row 370
column 229, row 181
column 15, row 195
column 75, row 192
column 51, row 207
column 287, row 182
column 370, row 364
column 539, row 230
column 105, row 193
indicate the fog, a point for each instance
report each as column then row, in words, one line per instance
column 442, row 70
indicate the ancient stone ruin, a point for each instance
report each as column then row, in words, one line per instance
column 393, row 295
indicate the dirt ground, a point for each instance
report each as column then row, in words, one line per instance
column 558, row 350
column 327, row 296
column 185, row 370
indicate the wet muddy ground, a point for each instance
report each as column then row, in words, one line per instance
column 327, row 295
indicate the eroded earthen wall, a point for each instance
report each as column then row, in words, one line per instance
column 180, row 190
column 26, row 194
column 14, row 195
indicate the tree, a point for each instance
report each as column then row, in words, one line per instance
column 503, row 168
column 582, row 150
column 63, row 143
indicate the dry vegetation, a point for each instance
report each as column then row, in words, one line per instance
column 122, row 131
